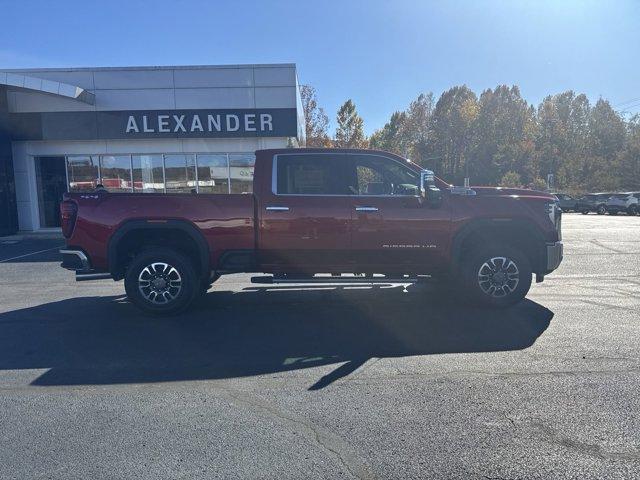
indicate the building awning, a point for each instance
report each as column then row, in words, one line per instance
column 46, row 86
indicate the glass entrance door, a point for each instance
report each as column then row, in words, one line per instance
column 51, row 177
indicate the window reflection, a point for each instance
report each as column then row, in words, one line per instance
column 157, row 173
column 148, row 173
column 180, row 173
column 213, row 174
column 82, row 173
column 241, row 172
column 115, row 173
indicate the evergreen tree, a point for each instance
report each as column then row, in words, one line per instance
column 350, row 130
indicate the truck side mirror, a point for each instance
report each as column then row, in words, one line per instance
column 431, row 193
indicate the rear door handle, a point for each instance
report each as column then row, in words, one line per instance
column 366, row 209
column 277, row 209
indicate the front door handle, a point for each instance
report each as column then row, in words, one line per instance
column 366, row 209
column 277, row 209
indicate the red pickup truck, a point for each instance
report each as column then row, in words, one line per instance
column 316, row 215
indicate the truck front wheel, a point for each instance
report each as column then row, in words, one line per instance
column 161, row 281
column 497, row 276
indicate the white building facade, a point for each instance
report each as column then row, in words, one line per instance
column 140, row 129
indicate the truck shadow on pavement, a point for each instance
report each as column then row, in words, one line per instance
column 105, row 340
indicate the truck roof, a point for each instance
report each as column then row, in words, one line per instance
column 325, row 150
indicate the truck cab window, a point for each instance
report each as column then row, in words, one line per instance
column 376, row 175
column 310, row 174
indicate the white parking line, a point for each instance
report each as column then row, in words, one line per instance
column 32, row 253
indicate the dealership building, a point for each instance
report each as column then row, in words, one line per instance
column 137, row 129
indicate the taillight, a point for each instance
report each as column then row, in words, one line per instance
column 555, row 215
column 68, row 215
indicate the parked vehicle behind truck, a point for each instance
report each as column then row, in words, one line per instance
column 363, row 216
column 566, row 202
column 593, row 202
column 623, row 202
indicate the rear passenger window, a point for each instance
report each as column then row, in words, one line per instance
column 310, row 174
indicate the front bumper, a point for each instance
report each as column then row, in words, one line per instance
column 554, row 255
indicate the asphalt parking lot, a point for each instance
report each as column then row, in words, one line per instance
column 325, row 382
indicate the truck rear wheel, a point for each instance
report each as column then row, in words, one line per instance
column 161, row 281
column 497, row 276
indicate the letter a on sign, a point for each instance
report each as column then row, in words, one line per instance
column 196, row 124
column 132, row 126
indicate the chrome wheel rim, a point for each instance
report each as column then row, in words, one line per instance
column 498, row 277
column 159, row 283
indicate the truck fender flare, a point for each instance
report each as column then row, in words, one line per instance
column 132, row 225
column 474, row 226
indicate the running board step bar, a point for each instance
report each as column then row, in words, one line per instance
column 269, row 280
column 83, row 277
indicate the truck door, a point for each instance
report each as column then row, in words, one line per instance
column 393, row 229
column 305, row 217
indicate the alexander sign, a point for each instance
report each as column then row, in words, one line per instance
column 196, row 122
column 268, row 122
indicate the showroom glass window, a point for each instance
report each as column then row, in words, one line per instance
column 82, row 173
column 213, row 173
column 241, row 172
column 180, row 173
column 148, row 173
column 115, row 173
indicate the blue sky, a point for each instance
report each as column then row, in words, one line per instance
column 381, row 54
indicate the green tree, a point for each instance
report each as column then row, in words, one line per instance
column 407, row 133
column 561, row 136
column 500, row 138
column 350, row 130
column 415, row 130
column 388, row 137
column 630, row 157
column 452, row 141
column 599, row 169
column 505, row 132
column 316, row 121
column 511, row 179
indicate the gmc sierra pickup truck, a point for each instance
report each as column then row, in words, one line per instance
column 316, row 215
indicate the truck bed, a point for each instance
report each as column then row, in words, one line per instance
column 227, row 222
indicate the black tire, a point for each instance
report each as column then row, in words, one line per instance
column 147, row 298
column 601, row 210
column 585, row 211
column 484, row 292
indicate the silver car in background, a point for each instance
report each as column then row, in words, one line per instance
column 623, row 202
